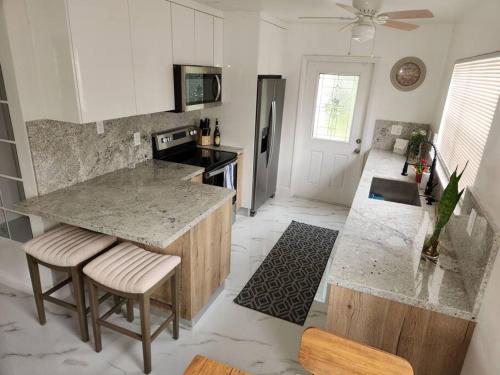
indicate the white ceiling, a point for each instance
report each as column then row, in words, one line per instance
column 445, row 11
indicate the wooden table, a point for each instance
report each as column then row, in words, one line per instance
column 204, row 366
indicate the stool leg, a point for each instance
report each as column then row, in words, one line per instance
column 94, row 313
column 176, row 306
column 37, row 288
column 144, row 308
column 77, row 279
column 130, row 310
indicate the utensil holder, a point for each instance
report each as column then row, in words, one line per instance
column 204, row 140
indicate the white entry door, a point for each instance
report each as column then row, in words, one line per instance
column 327, row 164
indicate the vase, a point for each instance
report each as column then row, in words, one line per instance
column 418, row 177
column 430, row 250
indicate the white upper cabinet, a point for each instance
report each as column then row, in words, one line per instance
column 218, row 42
column 102, row 53
column 204, row 39
column 183, row 30
column 271, row 49
column 151, row 34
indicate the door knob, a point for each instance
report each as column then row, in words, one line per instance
column 358, row 141
column 357, row 150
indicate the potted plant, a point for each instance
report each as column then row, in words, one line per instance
column 420, row 168
column 416, row 139
column 449, row 200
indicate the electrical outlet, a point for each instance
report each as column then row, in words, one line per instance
column 396, row 129
column 100, row 127
column 137, row 139
column 471, row 222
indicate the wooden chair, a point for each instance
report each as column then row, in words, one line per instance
column 133, row 274
column 205, row 366
column 323, row 353
column 66, row 249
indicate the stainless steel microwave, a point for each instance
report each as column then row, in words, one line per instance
column 197, row 87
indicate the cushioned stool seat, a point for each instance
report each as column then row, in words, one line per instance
column 66, row 249
column 67, row 246
column 132, row 274
column 130, row 269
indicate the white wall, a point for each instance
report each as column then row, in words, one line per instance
column 237, row 115
column 479, row 33
column 430, row 43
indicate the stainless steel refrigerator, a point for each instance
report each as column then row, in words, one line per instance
column 270, row 101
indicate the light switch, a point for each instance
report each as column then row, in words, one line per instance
column 137, row 139
column 396, row 129
column 471, row 222
column 100, row 127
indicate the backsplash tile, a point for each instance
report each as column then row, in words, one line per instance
column 66, row 153
column 384, row 140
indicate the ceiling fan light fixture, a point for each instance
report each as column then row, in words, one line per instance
column 363, row 32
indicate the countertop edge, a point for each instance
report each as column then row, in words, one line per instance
column 395, row 297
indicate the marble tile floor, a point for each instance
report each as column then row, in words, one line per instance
column 244, row 338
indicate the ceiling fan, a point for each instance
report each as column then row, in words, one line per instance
column 367, row 15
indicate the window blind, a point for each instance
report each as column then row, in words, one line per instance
column 468, row 113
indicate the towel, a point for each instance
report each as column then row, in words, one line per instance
column 229, row 177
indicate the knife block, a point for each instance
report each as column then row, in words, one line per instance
column 204, row 140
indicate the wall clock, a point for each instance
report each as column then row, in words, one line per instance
column 408, row 73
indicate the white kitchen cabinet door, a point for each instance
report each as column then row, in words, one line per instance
column 151, row 33
column 204, row 38
column 102, row 53
column 183, row 31
column 218, row 42
column 271, row 49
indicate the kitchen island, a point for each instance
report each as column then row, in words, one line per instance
column 161, row 207
column 383, row 294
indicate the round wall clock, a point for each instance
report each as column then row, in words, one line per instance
column 408, row 73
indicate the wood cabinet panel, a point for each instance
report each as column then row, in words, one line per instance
column 434, row 343
column 205, row 252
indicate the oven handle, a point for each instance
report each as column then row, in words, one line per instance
column 219, row 88
column 218, row 171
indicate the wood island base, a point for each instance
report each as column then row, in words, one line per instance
column 434, row 343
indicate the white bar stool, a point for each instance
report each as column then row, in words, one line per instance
column 67, row 249
column 134, row 274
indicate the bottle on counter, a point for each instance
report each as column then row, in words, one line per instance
column 217, row 134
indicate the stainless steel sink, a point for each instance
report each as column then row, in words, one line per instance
column 395, row 191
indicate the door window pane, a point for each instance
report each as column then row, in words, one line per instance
column 8, row 160
column 19, row 227
column 4, row 231
column 334, row 108
column 11, row 192
column 3, row 93
column 5, row 123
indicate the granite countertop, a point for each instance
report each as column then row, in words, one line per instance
column 153, row 203
column 378, row 251
column 237, row 150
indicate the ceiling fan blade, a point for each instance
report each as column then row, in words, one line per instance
column 408, row 14
column 400, row 25
column 328, row 18
column 346, row 26
column 349, row 8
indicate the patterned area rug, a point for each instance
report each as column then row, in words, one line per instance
column 285, row 284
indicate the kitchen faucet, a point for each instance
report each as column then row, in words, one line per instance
column 430, row 186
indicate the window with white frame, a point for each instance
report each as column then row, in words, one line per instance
column 468, row 113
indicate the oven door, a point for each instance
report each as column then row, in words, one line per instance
column 224, row 177
column 197, row 87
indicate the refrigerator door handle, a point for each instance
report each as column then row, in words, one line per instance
column 273, row 130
